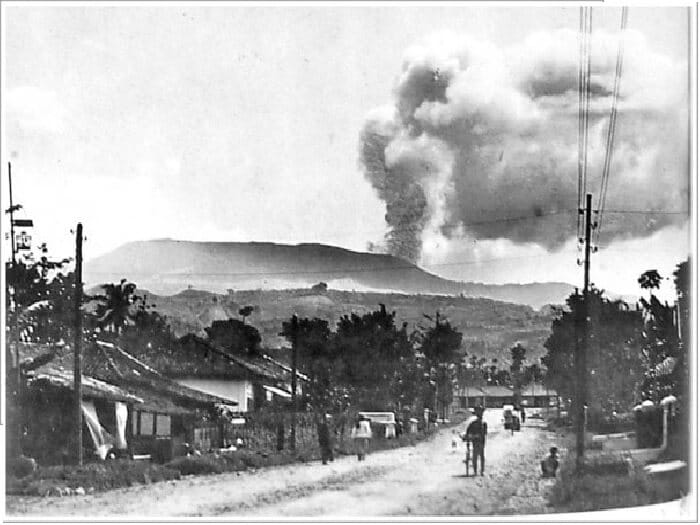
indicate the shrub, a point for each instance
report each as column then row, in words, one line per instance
column 605, row 484
column 206, row 464
column 22, row 466
column 96, row 476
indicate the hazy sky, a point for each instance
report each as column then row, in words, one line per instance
column 239, row 123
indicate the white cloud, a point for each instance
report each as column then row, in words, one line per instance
column 35, row 109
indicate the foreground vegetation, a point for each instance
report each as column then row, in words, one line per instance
column 608, row 483
column 64, row 480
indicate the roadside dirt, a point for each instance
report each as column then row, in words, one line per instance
column 425, row 480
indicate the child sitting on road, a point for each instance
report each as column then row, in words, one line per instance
column 550, row 464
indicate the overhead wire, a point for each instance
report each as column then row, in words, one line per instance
column 587, row 96
column 611, row 126
column 581, row 60
column 584, row 99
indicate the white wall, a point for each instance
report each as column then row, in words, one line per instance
column 234, row 390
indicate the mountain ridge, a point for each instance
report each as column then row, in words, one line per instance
column 167, row 266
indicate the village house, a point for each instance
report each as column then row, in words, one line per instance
column 128, row 407
column 253, row 381
column 537, row 395
column 534, row 395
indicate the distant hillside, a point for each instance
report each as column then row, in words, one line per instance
column 167, row 266
column 489, row 327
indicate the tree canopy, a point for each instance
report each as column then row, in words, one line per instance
column 612, row 350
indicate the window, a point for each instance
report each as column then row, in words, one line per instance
column 162, row 425
column 146, row 428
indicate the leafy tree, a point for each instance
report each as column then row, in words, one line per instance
column 371, row 349
column 663, row 350
column 502, row 377
column 649, row 280
column 235, row 336
column 612, row 350
column 316, row 357
column 681, row 280
column 115, row 307
column 517, row 358
column 40, row 307
column 245, row 312
column 440, row 346
column 532, row 373
column 149, row 337
column 492, row 374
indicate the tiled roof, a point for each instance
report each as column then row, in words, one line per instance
column 118, row 366
column 497, row 391
column 91, row 387
column 109, row 364
column 537, row 390
column 208, row 360
column 284, row 367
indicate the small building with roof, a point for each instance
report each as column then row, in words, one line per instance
column 129, row 408
column 253, row 381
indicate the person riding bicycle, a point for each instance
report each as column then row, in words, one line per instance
column 476, row 436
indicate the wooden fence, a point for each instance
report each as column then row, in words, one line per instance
column 261, row 431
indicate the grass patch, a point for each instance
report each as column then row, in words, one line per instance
column 607, row 483
column 54, row 480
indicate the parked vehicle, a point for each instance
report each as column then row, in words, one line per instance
column 508, row 416
column 386, row 420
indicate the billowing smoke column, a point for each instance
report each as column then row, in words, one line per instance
column 477, row 135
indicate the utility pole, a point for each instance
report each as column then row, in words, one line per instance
column 16, row 376
column 295, row 331
column 77, row 372
column 582, row 347
column 11, row 211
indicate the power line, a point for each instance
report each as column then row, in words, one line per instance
column 584, row 106
column 611, row 125
column 581, row 62
column 650, row 212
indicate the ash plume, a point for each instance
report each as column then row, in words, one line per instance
column 477, row 135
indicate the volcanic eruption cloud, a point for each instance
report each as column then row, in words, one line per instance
column 477, row 134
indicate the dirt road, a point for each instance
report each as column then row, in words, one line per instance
column 425, row 480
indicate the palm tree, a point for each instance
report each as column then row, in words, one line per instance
column 113, row 311
column 649, row 280
column 245, row 312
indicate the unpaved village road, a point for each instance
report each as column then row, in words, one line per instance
column 425, row 480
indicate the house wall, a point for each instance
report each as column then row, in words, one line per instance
column 232, row 389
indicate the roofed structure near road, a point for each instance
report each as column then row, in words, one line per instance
column 497, row 391
column 114, row 372
column 537, row 390
column 198, row 357
column 91, row 387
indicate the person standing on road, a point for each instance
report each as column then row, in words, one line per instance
column 361, row 434
column 476, row 435
column 324, row 440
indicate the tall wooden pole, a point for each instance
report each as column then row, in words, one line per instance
column 11, row 210
column 293, row 435
column 16, row 440
column 582, row 347
column 77, row 372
